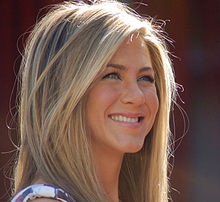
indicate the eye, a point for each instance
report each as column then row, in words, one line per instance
column 113, row 75
column 146, row 78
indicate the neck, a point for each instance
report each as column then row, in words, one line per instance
column 108, row 165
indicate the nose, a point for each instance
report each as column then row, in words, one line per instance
column 132, row 94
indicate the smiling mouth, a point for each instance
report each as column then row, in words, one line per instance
column 125, row 119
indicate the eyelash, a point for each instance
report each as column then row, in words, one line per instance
column 149, row 78
column 108, row 76
column 116, row 76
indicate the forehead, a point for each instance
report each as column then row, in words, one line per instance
column 132, row 52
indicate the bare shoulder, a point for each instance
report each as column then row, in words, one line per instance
column 44, row 200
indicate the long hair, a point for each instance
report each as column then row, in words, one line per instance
column 64, row 54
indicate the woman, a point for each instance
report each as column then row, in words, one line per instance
column 97, row 86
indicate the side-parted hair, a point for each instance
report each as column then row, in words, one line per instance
column 66, row 51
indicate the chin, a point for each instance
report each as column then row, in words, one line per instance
column 133, row 148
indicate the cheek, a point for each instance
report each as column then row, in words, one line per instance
column 100, row 98
column 152, row 100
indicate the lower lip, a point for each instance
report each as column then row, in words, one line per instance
column 128, row 124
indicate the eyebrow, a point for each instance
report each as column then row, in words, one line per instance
column 122, row 67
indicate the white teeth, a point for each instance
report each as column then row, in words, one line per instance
column 124, row 119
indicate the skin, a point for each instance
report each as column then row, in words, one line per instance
column 125, row 88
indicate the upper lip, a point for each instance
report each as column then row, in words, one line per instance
column 128, row 114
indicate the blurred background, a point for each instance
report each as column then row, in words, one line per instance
column 194, row 27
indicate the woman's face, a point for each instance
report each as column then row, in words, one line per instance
column 123, row 102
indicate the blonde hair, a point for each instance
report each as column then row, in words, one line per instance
column 65, row 52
